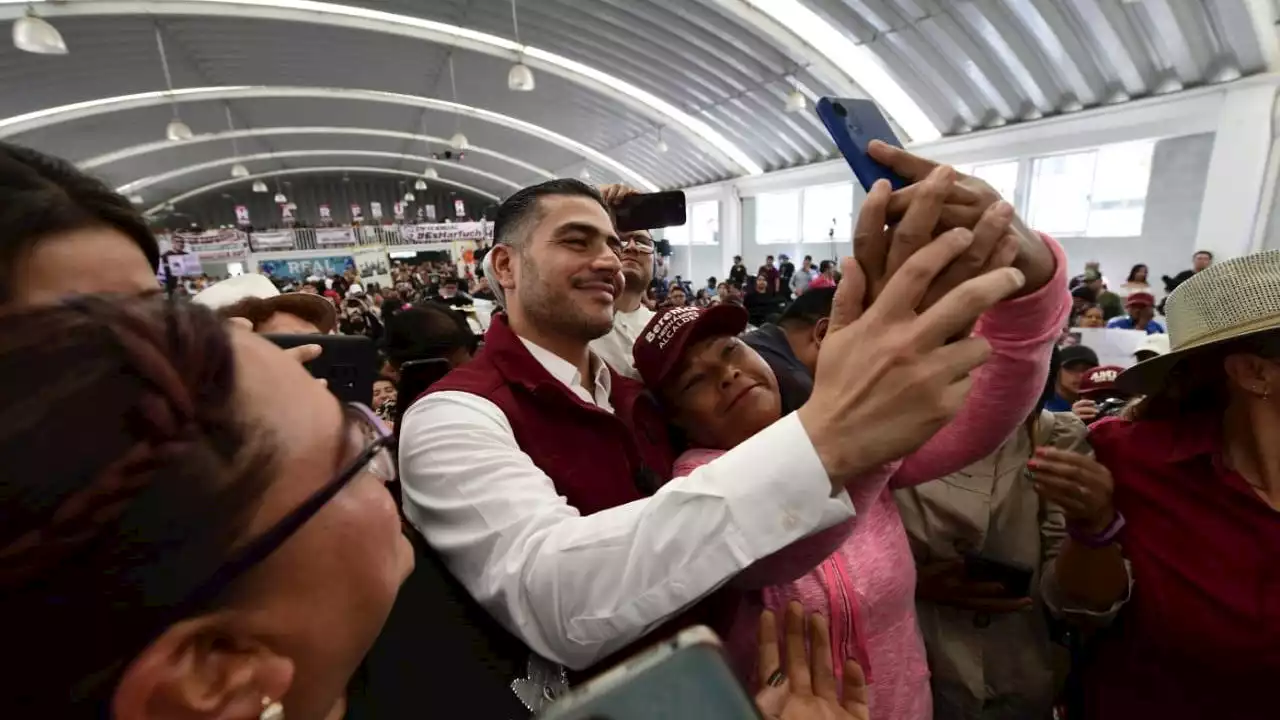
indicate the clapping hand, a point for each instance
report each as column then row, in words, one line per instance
column 1078, row 484
column 801, row 685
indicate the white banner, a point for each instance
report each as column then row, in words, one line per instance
column 274, row 240
column 215, row 244
column 1114, row 346
column 184, row 265
column 330, row 237
column 242, row 215
column 356, row 215
column 398, row 209
column 373, row 265
column 375, row 210
column 430, row 210
column 459, row 208
column 446, row 232
column 325, row 213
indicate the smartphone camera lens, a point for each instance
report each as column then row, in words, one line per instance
column 839, row 110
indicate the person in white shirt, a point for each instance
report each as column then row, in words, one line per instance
column 576, row 584
column 629, row 313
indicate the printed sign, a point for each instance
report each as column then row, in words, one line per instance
column 274, row 240
column 329, row 237
column 375, row 210
column 214, row 244
column 398, row 209
column 356, row 214
column 325, row 213
column 184, row 265
column 1113, row 345
column 286, row 214
column 669, row 324
column 459, row 208
column 446, row 232
column 303, row 268
column 242, row 215
column 374, row 266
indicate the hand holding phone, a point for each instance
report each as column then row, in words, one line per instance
column 853, row 124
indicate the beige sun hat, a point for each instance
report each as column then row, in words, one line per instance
column 1227, row 301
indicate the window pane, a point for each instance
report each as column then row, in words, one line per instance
column 678, row 235
column 828, row 213
column 1060, row 188
column 1123, row 172
column 777, row 218
column 704, row 223
column 1003, row 176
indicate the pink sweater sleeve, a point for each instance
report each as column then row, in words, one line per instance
column 788, row 563
column 1006, row 387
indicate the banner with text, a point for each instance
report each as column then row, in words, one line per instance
column 373, row 266
column 446, row 232
column 330, row 237
column 272, row 240
column 303, row 268
column 215, row 244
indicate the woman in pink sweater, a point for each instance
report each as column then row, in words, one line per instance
column 867, row 586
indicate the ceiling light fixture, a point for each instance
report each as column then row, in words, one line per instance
column 281, row 199
column 409, row 196
column 176, row 131
column 420, row 185
column 260, row 187
column 585, row 175
column 855, row 60
column 239, row 171
column 352, row 17
column 136, row 199
column 662, row 144
column 430, row 173
column 520, row 77
column 35, row 35
column 459, row 141
column 796, row 102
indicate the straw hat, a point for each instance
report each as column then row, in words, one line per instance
column 1227, row 301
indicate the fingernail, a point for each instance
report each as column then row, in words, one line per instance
column 1032, row 464
column 776, row 679
column 1004, row 209
column 1018, row 276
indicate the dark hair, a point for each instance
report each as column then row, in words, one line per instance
column 129, row 478
column 517, row 211
column 808, row 308
column 1133, row 272
column 1203, row 252
column 427, row 331
column 44, row 195
column 1197, row 384
column 825, row 265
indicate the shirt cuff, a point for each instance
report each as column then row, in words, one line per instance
column 780, row 492
column 1051, row 593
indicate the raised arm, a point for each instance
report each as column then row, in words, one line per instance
column 1005, row 390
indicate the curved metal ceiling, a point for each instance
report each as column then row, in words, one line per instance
column 710, row 76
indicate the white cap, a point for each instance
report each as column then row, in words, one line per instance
column 234, row 289
column 1157, row 343
column 354, row 290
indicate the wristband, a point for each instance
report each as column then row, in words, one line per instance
column 1102, row 539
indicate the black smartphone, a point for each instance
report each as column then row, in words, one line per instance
column 348, row 363
column 1015, row 577
column 649, row 211
column 415, row 377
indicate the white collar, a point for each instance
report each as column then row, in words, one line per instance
column 567, row 373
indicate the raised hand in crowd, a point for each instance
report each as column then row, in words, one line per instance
column 1078, row 484
column 944, row 583
column 800, row 684
column 890, row 377
column 1086, row 410
column 968, row 200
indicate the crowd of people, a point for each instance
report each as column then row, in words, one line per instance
column 893, row 488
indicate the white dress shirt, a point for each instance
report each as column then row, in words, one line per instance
column 574, row 588
column 616, row 347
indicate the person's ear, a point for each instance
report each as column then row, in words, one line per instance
column 201, row 669
column 1252, row 374
column 820, row 330
column 504, row 265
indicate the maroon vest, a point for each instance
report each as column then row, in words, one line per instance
column 596, row 459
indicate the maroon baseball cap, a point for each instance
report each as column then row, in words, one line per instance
column 1101, row 381
column 1139, row 299
column 658, row 350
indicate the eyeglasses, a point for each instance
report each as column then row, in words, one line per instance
column 376, row 458
column 640, row 241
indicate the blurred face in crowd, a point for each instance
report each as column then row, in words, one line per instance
column 89, row 260
column 676, row 297
column 283, row 323
column 1069, row 377
column 1092, row 317
column 563, row 274
column 383, row 391
column 1139, row 274
column 768, row 262
column 637, row 258
column 722, row 393
column 1201, row 260
column 297, row 625
column 737, row 259
column 1141, row 312
column 722, row 291
column 762, row 284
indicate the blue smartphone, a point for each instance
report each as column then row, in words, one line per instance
column 853, row 124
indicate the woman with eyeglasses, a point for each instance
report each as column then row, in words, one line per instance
column 190, row 525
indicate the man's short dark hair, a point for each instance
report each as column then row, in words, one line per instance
column 825, row 265
column 808, row 258
column 1203, row 252
column 517, row 213
column 45, row 195
column 807, row 309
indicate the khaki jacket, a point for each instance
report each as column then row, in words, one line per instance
column 992, row 665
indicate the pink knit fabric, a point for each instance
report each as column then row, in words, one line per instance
column 867, row 586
